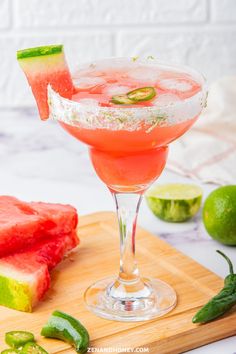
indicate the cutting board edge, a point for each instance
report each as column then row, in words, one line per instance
column 194, row 333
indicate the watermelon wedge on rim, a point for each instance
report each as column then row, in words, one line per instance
column 43, row 66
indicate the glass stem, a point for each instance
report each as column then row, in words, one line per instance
column 127, row 207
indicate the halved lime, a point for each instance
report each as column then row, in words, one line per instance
column 174, row 202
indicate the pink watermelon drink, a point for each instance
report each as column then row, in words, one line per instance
column 125, row 159
column 127, row 112
column 129, row 159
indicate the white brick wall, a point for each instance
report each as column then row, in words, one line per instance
column 200, row 33
column 5, row 14
column 107, row 12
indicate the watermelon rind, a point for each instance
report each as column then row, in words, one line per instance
column 39, row 51
column 15, row 294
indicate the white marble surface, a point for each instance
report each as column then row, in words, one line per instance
column 39, row 161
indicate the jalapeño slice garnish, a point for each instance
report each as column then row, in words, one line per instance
column 32, row 348
column 16, row 339
column 121, row 99
column 142, row 94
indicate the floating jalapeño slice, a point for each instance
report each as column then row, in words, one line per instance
column 121, row 99
column 135, row 96
column 142, row 94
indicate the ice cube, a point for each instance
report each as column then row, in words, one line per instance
column 89, row 102
column 142, row 73
column 175, row 84
column 165, row 99
column 112, row 90
column 88, row 82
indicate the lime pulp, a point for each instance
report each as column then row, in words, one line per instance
column 174, row 202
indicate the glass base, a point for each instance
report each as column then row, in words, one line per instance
column 158, row 299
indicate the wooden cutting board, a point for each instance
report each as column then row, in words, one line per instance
column 98, row 257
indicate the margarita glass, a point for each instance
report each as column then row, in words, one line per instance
column 127, row 111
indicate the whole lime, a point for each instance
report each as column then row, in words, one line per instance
column 219, row 215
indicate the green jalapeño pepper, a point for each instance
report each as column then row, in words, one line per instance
column 138, row 95
column 16, row 339
column 121, row 99
column 65, row 327
column 223, row 301
column 142, row 94
column 32, row 348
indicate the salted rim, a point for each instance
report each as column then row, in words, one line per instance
column 74, row 113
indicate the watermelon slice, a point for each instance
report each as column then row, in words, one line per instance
column 24, row 224
column 42, row 66
column 24, row 276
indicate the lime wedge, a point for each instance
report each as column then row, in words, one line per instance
column 174, row 202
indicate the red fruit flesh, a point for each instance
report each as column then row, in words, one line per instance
column 59, row 80
column 34, row 237
column 45, row 252
column 38, row 260
column 24, row 224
